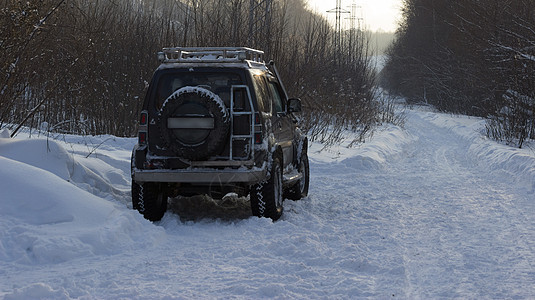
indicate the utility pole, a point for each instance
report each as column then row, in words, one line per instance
column 355, row 19
column 355, row 28
column 337, row 41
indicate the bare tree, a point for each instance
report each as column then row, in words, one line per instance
column 473, row 57
column 86, row 64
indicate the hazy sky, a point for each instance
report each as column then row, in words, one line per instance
column 375, row 14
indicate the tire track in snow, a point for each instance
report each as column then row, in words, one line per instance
column 459, row 227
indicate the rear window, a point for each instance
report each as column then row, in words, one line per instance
column 218, row 83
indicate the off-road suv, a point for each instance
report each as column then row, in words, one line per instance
column 217, row 121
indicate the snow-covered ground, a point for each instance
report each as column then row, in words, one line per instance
column 432, row 211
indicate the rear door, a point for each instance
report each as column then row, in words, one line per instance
column 283, row 125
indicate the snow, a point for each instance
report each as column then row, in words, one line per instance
column 48, row 219
column 434, row 210
column 387, row 142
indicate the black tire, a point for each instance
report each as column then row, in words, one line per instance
column 267, row 196
column 192, row 143
column 300, row 189
column 150, row 199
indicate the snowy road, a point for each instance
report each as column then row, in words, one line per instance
column 433, row 212
column 462, row 231
column 455, row 229
column 429, row 223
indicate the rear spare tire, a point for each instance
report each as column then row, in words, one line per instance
column 194, row 123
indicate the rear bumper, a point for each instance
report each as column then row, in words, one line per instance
column 206, row 176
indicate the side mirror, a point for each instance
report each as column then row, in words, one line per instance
column 294, row 105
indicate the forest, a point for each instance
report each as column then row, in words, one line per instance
column 83, row 66
column 74, row 66
column 470, row 57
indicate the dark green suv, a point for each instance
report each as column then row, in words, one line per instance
column 217, row 121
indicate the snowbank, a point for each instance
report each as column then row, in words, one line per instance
column 385, row 143
column 517, row 164
column 45, row 218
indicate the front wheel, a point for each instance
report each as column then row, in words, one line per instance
column 267, row 196
column 150, row 199
column 300, row 189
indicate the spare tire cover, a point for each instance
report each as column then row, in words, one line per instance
column 194, row 123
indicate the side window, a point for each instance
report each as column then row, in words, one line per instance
column 262, row 93
column 278, row 104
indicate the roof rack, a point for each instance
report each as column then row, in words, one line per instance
column 211, row 55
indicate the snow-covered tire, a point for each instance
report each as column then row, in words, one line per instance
column 300, row 189
column 267, row 196
column 150, row 199
column 194, row 143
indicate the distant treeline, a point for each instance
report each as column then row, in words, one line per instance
column 82, row 66
column 381, row 41
column 472, row 57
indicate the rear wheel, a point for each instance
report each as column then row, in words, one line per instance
column 267, row 196
column 150, row 199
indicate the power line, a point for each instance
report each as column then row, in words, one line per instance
column 337, row 41
column 355, row 20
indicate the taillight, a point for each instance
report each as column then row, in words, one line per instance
column 257, row 129
column 143, row 128
column 143, row 119
column 142, row 138
column 258, row 138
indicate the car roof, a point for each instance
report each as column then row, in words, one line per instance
column 219, row 57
